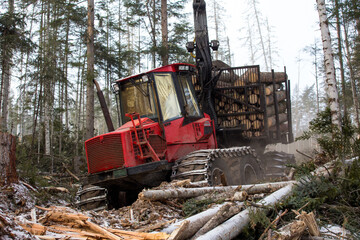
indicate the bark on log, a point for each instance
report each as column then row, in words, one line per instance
column 270, row 89
column 8, row 173
column 233, row 226
column 180, row 231
column 195, row 192
column 225, row 212
column 280, row 95
column 272, row 120
column 283, row 127
column 196, row 221
column 270, row 110
column 266, row 77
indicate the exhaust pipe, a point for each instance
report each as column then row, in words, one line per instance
column 104, row 107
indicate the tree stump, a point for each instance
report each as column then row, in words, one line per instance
column 7, row 159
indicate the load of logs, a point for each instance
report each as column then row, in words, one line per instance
column 245, row 99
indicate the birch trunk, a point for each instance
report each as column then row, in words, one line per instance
column 194, row 192
column 330, row 88
column 90, row 72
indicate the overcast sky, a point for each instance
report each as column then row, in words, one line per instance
column 294, row 25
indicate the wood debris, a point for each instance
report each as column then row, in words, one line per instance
column 291, row 231
column 67, row 224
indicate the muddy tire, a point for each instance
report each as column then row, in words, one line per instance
column 277, row 164
column 236, row 170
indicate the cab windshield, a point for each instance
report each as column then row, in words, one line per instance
column 137, row 96
column 191, row 106
column 168, row 98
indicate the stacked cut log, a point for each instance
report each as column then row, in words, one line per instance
column 238, row 100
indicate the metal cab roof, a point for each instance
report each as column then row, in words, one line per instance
column 168, row 68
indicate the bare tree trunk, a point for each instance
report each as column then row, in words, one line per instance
column 260, row 34
column 5, row 88
column 164, row 33
column 151, row 14
column 6, row 64
column 269, row 43
column 90, row 73
column 316, row 77
column 47, row 84
column 331, row 90
column 251, row 45
column 341, row 62
column 7, row 159
column 66, row 72
column 352, row 76
column 228, row 45
column 119, row 37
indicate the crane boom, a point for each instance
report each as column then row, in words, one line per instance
column 203, row 57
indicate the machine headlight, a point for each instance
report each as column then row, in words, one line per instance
column 184, row 68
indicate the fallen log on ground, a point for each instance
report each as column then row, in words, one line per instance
column 194, row 192
column 232, row 227
column 196, row 221
column 225, row 212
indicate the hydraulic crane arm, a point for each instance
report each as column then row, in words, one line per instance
column 203, row 56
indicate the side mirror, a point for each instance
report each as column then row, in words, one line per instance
column 190, row 46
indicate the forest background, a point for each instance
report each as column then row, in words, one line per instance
column 44, row 57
